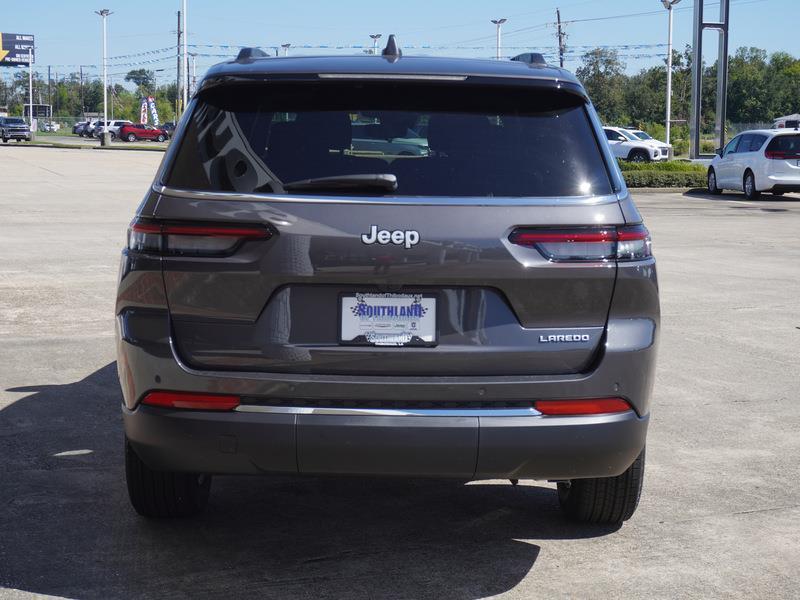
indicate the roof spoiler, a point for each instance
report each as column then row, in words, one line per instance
column 531, row 58
column 248, row 54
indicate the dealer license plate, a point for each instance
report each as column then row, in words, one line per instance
column 388, row 319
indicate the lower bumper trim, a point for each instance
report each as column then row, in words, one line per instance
column 389, row 412
column 464, row 446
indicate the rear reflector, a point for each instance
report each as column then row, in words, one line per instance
column 586, row 406
column 631, row 242
column 191, row 400
column 191, row 239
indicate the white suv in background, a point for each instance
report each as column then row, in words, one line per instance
column 627, row 146
column 663, row 147
column 763, row 160
column 113, row 128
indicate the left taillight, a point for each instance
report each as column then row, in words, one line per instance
column 191, row 239
column 191, row 400
column 580, row 244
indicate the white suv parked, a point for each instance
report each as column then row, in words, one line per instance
column 113, row 128
column 764, row 160
column 663, row 147
column 627, row 146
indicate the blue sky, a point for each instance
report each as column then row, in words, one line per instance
column 68, row 32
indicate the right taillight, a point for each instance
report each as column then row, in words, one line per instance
column 580, row 244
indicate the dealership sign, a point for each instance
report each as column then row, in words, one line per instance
column 14, row 49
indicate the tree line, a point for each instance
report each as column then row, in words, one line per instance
column 72, row 95
column 760, row 88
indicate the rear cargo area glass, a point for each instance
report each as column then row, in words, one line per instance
column 437, row 140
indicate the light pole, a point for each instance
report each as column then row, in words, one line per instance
column 104, row 141
column 498, row 23
column 285, row 49
column 30, row 92
column 155, row 81
column 194, row 71
column 668, row 4
column 375, row 37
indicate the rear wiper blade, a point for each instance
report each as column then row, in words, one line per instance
column 382, row 182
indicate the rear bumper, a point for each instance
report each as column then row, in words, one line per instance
column 534, row 447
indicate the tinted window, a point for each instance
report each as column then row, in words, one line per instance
column 744, row 143
column 787, row 144
column 612, row 135
column 437, row 140
column 731, row 146
column 756, row 142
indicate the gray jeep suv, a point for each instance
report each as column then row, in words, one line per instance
column 290, row 303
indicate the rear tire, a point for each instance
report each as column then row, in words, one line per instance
column 164, row 493
column 603, row 500
column 712, row 183
column 161, row 138
column 749, row 186
column 639, row 156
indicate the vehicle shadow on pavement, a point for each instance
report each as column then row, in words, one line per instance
column 740, row 197
column 67, row 528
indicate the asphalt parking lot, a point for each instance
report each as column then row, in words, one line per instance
column 720, row 512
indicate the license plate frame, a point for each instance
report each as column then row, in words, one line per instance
column 417, row 327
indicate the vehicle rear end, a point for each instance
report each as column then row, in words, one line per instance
column 485, row 308
column 781, row 169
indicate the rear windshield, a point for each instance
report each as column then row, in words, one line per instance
column 788, row 144
column 437, row 140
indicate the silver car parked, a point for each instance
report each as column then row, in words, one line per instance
column 485, row 309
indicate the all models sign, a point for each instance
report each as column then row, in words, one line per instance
column 14, row 49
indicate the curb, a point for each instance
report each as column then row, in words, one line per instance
column 667, row 190
column 84, row 147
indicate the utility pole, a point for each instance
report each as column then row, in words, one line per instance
column 668, row 4
column 562, row 37
column 83, row 106
column 49, row 90
column 375, row 37
column 185, row 59
column 178, row 76
column 104, row 15
column 498, row 24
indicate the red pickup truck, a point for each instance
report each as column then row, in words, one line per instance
column 136, row 131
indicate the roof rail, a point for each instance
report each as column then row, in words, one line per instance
column 531, row 58
column 248, row 54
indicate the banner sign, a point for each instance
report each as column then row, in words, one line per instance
column 143, row 112
column 14, row 49
column 152, row 103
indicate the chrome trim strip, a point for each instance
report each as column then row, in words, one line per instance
column 392, row 76
column 405, row 200
column 389, row 412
